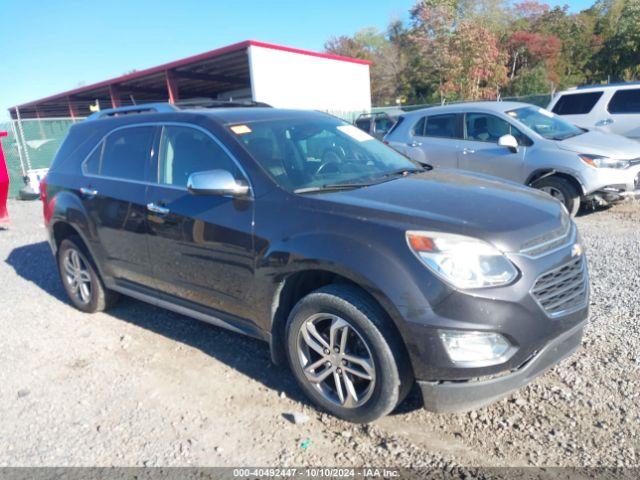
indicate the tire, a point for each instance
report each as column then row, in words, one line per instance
column 561, row 189
column 80, row 279
column 370, row 340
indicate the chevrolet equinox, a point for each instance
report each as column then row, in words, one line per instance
column 364, row 271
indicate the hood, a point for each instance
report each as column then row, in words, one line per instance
column 600, row 143
column 503, row 213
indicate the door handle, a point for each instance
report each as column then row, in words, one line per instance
column 88, row 192
column 466, row 151
column 604, row 122
column 415, row 144
column 152, row 207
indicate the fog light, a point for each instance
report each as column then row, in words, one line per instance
column 476, row 348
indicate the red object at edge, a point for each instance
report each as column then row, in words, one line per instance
column 4, row 184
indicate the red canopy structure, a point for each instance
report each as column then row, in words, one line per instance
column 4, row 184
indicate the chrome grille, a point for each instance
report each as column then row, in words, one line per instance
column 562, row 289
column 548, row 241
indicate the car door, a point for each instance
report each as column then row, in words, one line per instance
column 481, row 153
column 113, row 195
column 435, row 140
column 624, row 113
column 201, row 246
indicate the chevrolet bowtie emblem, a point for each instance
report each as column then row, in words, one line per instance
column 576, row 250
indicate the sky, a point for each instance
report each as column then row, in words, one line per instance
column 50, row 46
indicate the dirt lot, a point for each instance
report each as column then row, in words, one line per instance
column 142, row 386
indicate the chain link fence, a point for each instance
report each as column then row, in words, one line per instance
column 31, row 144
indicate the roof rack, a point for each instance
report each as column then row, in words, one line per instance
column 601, row 85
column 214, row 103
column 168, row 107
column 130, row 109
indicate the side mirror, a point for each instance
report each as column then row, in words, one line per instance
column 510, row 142
column 216, row 182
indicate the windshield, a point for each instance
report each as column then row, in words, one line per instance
column 545, row 123
column 316, row 153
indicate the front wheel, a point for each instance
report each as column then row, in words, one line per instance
column 562, row 190
column 345, row 355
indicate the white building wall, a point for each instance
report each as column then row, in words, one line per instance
column 294, row 80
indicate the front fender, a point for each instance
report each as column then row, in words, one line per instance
column 386, row 269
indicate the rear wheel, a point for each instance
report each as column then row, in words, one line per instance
column 562, row 190
column 80, row 278
column 345, row 355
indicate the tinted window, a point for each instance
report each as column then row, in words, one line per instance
column 126, row 153
column 91, row 165
column 576, row 103
column 363, row 124
column 625, row 101
column 418, row 128
column 185, row 150
column 383, row 124
column 444, row 126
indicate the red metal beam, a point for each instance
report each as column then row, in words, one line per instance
column 73, row 109
column 172, row 87
column 114, row 93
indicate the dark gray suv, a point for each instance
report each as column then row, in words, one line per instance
column 362, row 270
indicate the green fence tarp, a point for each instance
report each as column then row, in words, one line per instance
column 43, row 138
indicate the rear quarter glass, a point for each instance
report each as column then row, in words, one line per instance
column 76, row 146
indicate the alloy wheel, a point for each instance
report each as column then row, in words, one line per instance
column 77, row 276
column 336, row 360
column 555, row 193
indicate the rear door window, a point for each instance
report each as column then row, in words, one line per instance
column 576, row 103
column 625, row 101
column 442, row 126
column 126, row 153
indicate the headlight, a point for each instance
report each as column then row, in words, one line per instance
column 476, row 348
column 463, row 262
column 598, row 161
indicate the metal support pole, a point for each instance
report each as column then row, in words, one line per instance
column 24, row 140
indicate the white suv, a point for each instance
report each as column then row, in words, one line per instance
column 611, row 108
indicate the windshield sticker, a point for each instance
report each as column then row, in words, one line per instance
column 355, row 133
column 546, row 113
column 240, row 129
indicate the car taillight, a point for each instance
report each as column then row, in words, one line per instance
column 43, row 190
column 47, row 206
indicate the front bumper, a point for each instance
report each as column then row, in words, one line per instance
column 456, row 396
column 603, row 181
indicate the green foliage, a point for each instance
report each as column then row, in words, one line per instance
column 479, row 49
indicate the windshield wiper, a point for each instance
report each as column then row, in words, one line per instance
column 332, row 187
column 350, row 186
column 404, row 172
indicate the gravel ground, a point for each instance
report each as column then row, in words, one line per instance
column 140, row 386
